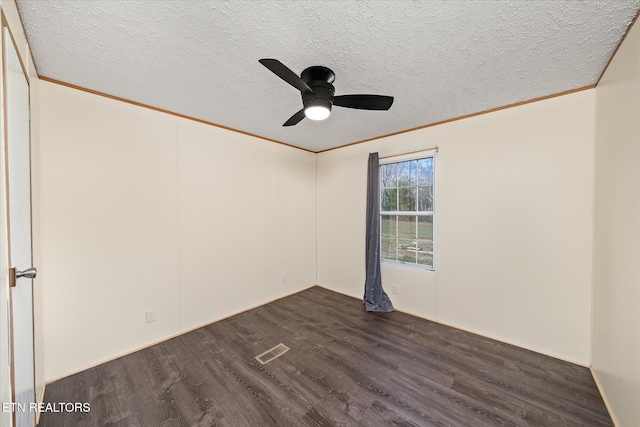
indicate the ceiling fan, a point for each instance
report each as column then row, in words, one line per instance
column 315, row 84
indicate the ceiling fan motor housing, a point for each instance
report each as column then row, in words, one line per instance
column 319, row 79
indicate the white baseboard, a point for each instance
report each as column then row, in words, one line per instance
column 604, row 397
column 40, row 400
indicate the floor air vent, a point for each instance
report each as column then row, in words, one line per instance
column 271, row 354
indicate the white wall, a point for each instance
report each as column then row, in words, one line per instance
column 143, row 210
column 246, row 216
column 616, row 308
column 295, row 219
column 514, row 224
column 108, row 227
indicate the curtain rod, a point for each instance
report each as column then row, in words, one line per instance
column 410, row 152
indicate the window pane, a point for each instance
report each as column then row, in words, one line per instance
column 425, row 171
column 425, row 198
column 425, row 227
column 425, row 246
column 413, row 179
column 389, row 200
column 407, row 227
column 389, row 225
column 389, row 245
column 388, row 175
column 425, row 259
column 407, row 199
column 404, row 174
column 406, row 250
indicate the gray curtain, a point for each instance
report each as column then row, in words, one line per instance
column 375, row 299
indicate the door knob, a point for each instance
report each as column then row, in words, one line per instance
column 29, row 273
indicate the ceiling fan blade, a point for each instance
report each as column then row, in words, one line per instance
column 281, row 70
column 295, row 119
column 364, row 102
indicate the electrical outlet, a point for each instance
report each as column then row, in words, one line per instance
column 394, row 289
column 151, row 315
column 284, row 278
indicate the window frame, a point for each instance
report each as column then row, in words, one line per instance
column 400, row 159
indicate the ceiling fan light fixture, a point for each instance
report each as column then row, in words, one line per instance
column 317, row 109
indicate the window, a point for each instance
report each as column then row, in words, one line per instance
column 407, row 212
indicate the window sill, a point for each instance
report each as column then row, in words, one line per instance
column 409, row 266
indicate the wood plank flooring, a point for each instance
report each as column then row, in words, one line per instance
column 346, row 367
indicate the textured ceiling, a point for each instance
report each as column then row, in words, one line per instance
column 439, row 59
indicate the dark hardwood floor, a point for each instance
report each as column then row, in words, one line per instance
column 346, row 367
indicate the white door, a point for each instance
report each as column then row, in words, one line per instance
column 17, row 140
